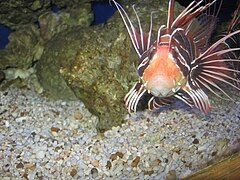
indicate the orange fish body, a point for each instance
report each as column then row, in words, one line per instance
column 162, row 77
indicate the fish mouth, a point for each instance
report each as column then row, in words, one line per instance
column 160, row 92
column 159, row 86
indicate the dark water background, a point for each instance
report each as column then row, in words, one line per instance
column 103, row 11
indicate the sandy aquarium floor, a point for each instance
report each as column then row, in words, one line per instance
column 40, row 139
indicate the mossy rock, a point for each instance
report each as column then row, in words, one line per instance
column 23, row 49
column 16, row 13
column 27, row 44
column 92, row 68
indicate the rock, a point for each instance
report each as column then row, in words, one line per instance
column 25, row 175
column 222, row 145
column 53, row 23
column 22, row 12
column 25, row 12
column 73, row 172
column 113, row 157
column 195, row 141
column 109, row 165
column 54, row 131
column 78, row 115
column 26, row 44
column 23, row 49
column 175, row 156
column 148, row 172
column 21, row 119
column 40, row 154
column 119, row 154
column 95, row 163
column 36, row 5
column 30, row 166
column 94, row 172
column 31, row 175
column 16, row 73
column 158, row 161
column 97, row 79
column 135, row 161
column 7, row 124
column 20, row 165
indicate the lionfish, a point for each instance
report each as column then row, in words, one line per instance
column 180, row 63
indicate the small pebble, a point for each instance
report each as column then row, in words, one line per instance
column 195, row 141
column 21, row 119
column 94, row 172
column 109, row 165
column 78, row 115
column 19, row 165
column 55, row 129
column 73, row 172
column 95, row 163
column 135, row 161
column 30, row 166
column 148, row 172
column 7, row 124
column 40, row 154
column 113, row 157
column 119, row 154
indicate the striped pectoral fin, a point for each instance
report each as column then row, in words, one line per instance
column 133, row 96
column 195, row 96
column 216, row 67
column 157, row 102
column 201, row 29
column 192, row 11
column 199, row 21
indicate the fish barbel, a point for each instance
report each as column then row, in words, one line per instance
column 181, row 63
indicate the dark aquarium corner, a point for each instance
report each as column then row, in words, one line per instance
column 100, row 89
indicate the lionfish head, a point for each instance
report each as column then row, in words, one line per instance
column 180, row 63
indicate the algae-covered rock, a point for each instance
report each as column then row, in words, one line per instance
column 96, row 65
column 52, row 23
column 23, row 49
column 26, row 44
column 15, row 13
column 95, row 69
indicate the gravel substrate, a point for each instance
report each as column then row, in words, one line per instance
column 40, row 139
